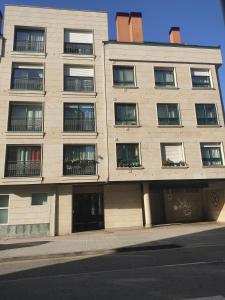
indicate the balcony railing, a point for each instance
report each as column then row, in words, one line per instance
column 165, row 83
column 29, row 124
column 201, row 81
column 79, row 167
column 207, row 121
column 75, row 125
column 77, row 48
column 27, row 168
column 27, row 84
column 169, row 121
column 79, row 84
column 128, row 163
column 29, row 46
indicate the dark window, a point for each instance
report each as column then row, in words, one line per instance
column 39, row 199
column 4, row 205
column 28, row 40
column 201, row 78
column 79, row 117
column 27, row 79
column 211, row 155
column 168, row 114
column 125, row 114
column 164, row 77
column 78, row 79
column 123, row 76
column 79, row 160
column 127, row 155
column 206, row 114
column 25, row 117
column 78, row 42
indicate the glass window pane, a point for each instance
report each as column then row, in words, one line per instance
column 164, row 77
column 123, row 75
column 3, row 216
column 125, row 114
column 168, row 114
column 206, row 114
column 128, row 155
column 4, row 201
column 39, row 199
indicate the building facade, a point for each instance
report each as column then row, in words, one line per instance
column 105, row 134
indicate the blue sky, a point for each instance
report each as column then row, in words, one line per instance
column 201, row 21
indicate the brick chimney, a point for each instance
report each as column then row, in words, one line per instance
column 129, row 27
column 175, row 36
column 136, row 30
column 122, row 27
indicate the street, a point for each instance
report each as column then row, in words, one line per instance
column 180, row 268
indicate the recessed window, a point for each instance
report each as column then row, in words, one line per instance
column 201, row 78
column 206, row 114
column 127, row 155
column 79, row 117
column 168, row 114
column 123, row 76
column 211, row 154
column 78, row 42
column 79, row 79
column 27, row 77
column 125, row 114
column 172, row 155
column 39, row 199
column 164, row 77
column 29, row 40
column 4, row 206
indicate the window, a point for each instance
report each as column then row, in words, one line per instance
column 25, row 117
column 206, row 114
column 201, row 78
column 125, row 114
column 79, row 160
column 168, row 114
column 23, row 161
column 127, row 155
column 27, row 77
column 172, row 155
column 123, row 76
column 78, row 42
column 211, row 154
column 39, row 199
column 164, row 77
column 4, row 206
column 79, row 79
column 79, row 117
column 29, row 40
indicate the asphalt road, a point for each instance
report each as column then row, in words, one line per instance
column 146, row 272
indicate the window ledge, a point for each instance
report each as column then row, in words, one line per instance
column 77, row 56
column 166, row 88
column 79, row 178
column 130, row 87
column 24, row 134
column 29, row 54
column 174, row 167
column 79, row 94
column 127, row 126
column 213, row 167
column 22, row 180
column 170, row 126
column 79, row 135
column 25, row 92
column 209, row 126
column 132, row 168
column 203, row 88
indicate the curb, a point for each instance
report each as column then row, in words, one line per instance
column 57, row 255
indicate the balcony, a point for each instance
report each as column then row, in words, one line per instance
column 77, row 125
column 79, row 167
column 27, row 168
column 79, row 84
column 78, row 48
column 29, row 46
column 27, row 84
column 29, row 124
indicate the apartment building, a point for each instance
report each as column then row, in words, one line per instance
column 105, row 134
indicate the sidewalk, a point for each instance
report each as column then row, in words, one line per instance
column 109, row 241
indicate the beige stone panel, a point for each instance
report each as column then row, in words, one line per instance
column 214, row 204
column 64, row 210
column 123, row 206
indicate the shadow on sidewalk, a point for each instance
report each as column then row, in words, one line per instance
column 21, row 245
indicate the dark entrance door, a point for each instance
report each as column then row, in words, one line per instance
column 88, row 212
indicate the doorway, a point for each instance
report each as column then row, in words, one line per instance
column 88, row 212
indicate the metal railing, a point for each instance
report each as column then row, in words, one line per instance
column 128, row 163
column 79, row 84
column 29, row 124
column 27, row 84
column 79, row 125
column 165, row 83
column 27, row 168
column 201, row 81
column 80, row 167
column 77, row 48
column 207, row 121
column 169, row 121
column 29, row 46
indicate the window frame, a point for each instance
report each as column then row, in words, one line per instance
column 220, row 146
column 179, row 115
column 210, row 78
column 4, row 208
column 217, row 115
column 185, row 165
column 43, row 204
column 171, row 68
column 136, row 110
column 125, row 86
column 139, row 156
